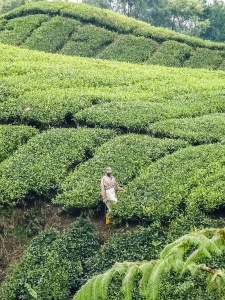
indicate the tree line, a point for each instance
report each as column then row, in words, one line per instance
column 199, row 18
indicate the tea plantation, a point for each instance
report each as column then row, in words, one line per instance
column 82, row 30
column 64, row 118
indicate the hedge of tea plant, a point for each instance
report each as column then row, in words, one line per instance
column 53, row 107
column 12, row 137
column 52, row 264
column 199, row 130
column 162, row 190
column 109, row 20
column 205, row 58
column 171, row 54
column 52, row 35
column 55, row 35
column 16, row 31
column 127, row 155
column 38, row 167
column 129, row 48
column 88, row 40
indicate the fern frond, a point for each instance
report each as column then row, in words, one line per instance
column 146, row 270
column 128, row 282
column 154, row 280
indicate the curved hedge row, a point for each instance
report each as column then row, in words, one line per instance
column 127, row 155
column 11, row 137
column 199, row 130
column 128, row 39
column 162, row 190
column 37, row 168
column 52, row 265
column 42, row 89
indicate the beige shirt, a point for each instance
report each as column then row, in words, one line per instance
column 108, row 183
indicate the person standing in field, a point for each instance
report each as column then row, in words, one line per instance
column 109, row 187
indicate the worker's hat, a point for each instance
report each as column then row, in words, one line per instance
column 108, row 170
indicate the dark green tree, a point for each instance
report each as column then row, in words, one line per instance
column 215, row 13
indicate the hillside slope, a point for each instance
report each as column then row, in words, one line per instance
column 82, row 30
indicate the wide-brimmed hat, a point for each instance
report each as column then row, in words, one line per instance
column 108, row 170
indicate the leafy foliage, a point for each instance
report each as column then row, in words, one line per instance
column 161, row 191
column 129, row 48
column 36, row 169
column 127, row 155
column 52, row 264
column 205, row 58
column 134, row 41
column 16, row 31
column 171, row 54
column 88, row 40
column 11, row 137
column 204, row 129
column 179, row 257
column 52, row 35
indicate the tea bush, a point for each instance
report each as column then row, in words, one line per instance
column 16, row 31
column 11, row 137
column 204, row 129
column 139, row 244
column 52, row 264
column 205, row 58
column 47, row 108
column 88, row 40
column 129, row 48
column 37, row 168
column 171, row 54
column 52, row 35
column 161, row 191
column 127, row 155
column 133, row 34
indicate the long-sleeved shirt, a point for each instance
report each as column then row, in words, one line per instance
column 108, row 182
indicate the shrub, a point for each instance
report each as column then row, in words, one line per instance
column 37, row 168
column 52, row 264
column 205, row 58
column 11, row 137
column 43, row 108
column 133, row 116
column 161, row 190
column 129, row 48
column 17, row 30
column 204, row 129
column 52, row 35
column 127, row 155
column 171, row 54
column 208, row 192
column 88, row 40
column 139, row 244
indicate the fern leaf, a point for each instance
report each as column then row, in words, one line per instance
column 146, row 269
column 128, row 282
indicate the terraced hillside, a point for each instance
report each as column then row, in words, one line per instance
column 82, row 30
column 141, row 120
column 64, row 119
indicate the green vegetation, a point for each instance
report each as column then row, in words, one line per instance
column 52, row 35
column 205, row 58
column 129, row 48
column 79, row 29
column 183, row 256
column 171, row 54
column 127, row 155
column 88, row 41
column 11, row 137
column 52, row 264
column 17, row 30
column 36, row 169
column 64, row 119
column 162, row 190
column 199, row 130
